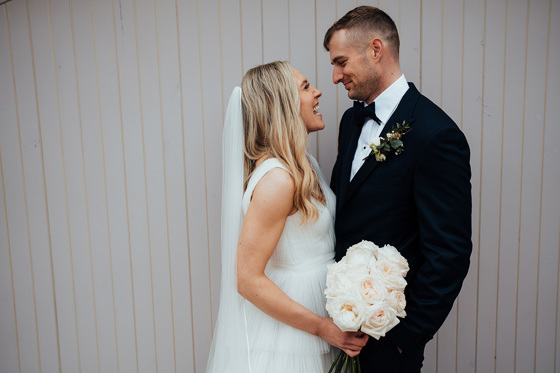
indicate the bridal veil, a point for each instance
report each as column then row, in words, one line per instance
column 229, row 351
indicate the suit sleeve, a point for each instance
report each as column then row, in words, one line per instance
column 442, row 193
column 335, row 176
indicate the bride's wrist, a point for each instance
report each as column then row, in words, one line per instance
column 320, row 326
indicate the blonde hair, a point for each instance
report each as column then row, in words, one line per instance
column 274, row 129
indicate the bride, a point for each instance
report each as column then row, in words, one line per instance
column 277, row 232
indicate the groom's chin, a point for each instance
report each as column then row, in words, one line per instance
column 353, row 95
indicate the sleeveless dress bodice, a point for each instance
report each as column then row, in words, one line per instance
column 298, row 266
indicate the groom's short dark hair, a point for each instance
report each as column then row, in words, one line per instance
column 361, row 22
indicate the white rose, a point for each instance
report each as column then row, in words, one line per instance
column 379, row 319
column 394, row 258
column 397, row 300
column 361, row 253
column 337, row 283
column 357, row 272
column 338, row 267
column 372, row 289
column 376, row 141
column 341, row 261
column 392, row 279
column 347, row 310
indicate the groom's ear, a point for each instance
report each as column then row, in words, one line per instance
column 376, row 47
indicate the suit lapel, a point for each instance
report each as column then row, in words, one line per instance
column 355, row 130
column 404, row 111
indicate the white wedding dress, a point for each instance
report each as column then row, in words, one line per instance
column 298, row 266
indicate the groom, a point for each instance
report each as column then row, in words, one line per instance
column 418, row 201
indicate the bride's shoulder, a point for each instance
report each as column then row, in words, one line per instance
column 275, row 191
column 275, row 181
column 270, row 172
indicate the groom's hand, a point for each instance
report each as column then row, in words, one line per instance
column 349, row 342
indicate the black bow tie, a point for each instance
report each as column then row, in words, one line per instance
column 364, row 112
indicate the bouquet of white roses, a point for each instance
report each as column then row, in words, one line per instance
column 365, row 291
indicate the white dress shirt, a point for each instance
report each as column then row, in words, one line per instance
column 385, row 105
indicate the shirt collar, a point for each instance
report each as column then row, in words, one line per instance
column 387, row 101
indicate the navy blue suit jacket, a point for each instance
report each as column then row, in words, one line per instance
column 419, row 202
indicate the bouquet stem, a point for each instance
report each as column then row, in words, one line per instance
column 345, row 364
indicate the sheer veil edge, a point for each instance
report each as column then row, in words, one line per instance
column 229, row 351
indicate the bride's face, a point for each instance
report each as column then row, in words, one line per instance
column 309, row 103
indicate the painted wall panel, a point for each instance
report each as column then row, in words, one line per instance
column 111, row 115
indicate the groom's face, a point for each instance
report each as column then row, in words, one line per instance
column 354, row 67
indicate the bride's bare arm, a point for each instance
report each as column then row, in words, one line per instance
column 271, row 204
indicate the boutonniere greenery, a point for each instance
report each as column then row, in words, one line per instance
column 391, row 143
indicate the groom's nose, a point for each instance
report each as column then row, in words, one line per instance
column 336, row 75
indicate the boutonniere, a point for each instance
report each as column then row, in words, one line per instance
column 382, row 146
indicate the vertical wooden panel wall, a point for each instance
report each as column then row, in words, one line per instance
column 110, row 162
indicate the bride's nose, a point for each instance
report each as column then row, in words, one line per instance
column 318, row 93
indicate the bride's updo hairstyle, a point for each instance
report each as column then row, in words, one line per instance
column 274, row 129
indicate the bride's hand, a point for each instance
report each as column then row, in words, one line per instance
column 349, row 342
